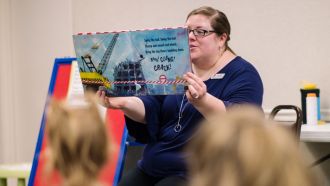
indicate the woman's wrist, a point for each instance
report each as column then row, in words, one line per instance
column 124, row 103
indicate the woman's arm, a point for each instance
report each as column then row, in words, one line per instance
column 245, row 87
column 197, row 95
column 132, row 107
column 207, row 105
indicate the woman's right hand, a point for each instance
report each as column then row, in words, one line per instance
column 111, row 102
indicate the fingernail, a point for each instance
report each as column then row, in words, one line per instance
column 195, row 96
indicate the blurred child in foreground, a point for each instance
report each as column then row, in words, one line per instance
column 78, row 145
column 242, row 148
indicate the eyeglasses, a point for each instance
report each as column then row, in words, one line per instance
column 200, row 32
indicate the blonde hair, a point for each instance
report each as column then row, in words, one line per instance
column 242, row 148
column 78, row 144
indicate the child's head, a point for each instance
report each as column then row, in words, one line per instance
column 241, row 147
column 77, row 141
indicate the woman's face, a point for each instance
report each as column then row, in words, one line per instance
column 203, row 47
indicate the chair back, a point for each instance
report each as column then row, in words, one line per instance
column 296, row 126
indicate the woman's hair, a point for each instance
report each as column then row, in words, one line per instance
column 242, row 148
column 218, row 19
column 77, row 142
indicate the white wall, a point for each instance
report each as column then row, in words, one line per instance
column 34, row 33
column 7, row 132
column 287, row 41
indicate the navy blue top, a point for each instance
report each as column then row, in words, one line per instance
column 163, row 155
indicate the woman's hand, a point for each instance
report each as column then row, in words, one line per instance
column 196, row 87
column 132, row 107
column 111, row 102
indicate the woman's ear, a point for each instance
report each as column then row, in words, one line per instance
column 223, row 38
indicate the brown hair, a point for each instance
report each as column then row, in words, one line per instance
column 218, row 19
column 242, row 148
column 77, row 142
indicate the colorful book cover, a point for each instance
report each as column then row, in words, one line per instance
column 134, row 63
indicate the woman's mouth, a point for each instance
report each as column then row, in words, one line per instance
column 192, row 46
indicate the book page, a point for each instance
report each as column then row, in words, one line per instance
column 134, row 63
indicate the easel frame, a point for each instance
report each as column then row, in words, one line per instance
column 58, row 87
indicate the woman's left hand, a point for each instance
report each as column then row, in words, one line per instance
column 196, row 87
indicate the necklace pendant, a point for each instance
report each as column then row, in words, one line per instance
column 177, row 128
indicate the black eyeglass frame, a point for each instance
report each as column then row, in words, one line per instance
column 198, row 32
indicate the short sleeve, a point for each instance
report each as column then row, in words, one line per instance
column 245, row 87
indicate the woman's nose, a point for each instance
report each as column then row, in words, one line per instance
column 191, row 34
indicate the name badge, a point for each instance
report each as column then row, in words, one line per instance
column 218, row 76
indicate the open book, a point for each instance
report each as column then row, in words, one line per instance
column 134, row 63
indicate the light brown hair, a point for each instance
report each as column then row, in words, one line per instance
column 242, row 148
column 78, row 145
column 219, row 21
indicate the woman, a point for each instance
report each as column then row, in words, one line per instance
column 166, row 123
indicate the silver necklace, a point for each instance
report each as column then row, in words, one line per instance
column 178, row 126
